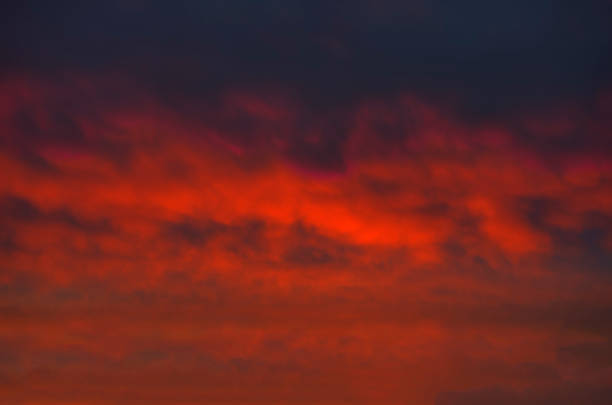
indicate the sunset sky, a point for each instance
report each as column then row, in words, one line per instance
column 370, row 202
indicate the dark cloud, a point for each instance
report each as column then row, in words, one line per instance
column 194, row 232
column 61, row 127
column 588, row 356
column 307, row 248
column 21, row 210
column 560, row 395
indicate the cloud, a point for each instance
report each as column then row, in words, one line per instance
column 327, row 213
column 587, row 355
column 561, row 395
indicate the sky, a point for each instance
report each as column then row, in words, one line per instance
column 306, row 202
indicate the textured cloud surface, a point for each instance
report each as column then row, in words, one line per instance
column 382, row 203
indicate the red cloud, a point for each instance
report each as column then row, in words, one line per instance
column 259, row 252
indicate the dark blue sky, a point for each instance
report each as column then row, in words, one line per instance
column 491, row 55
